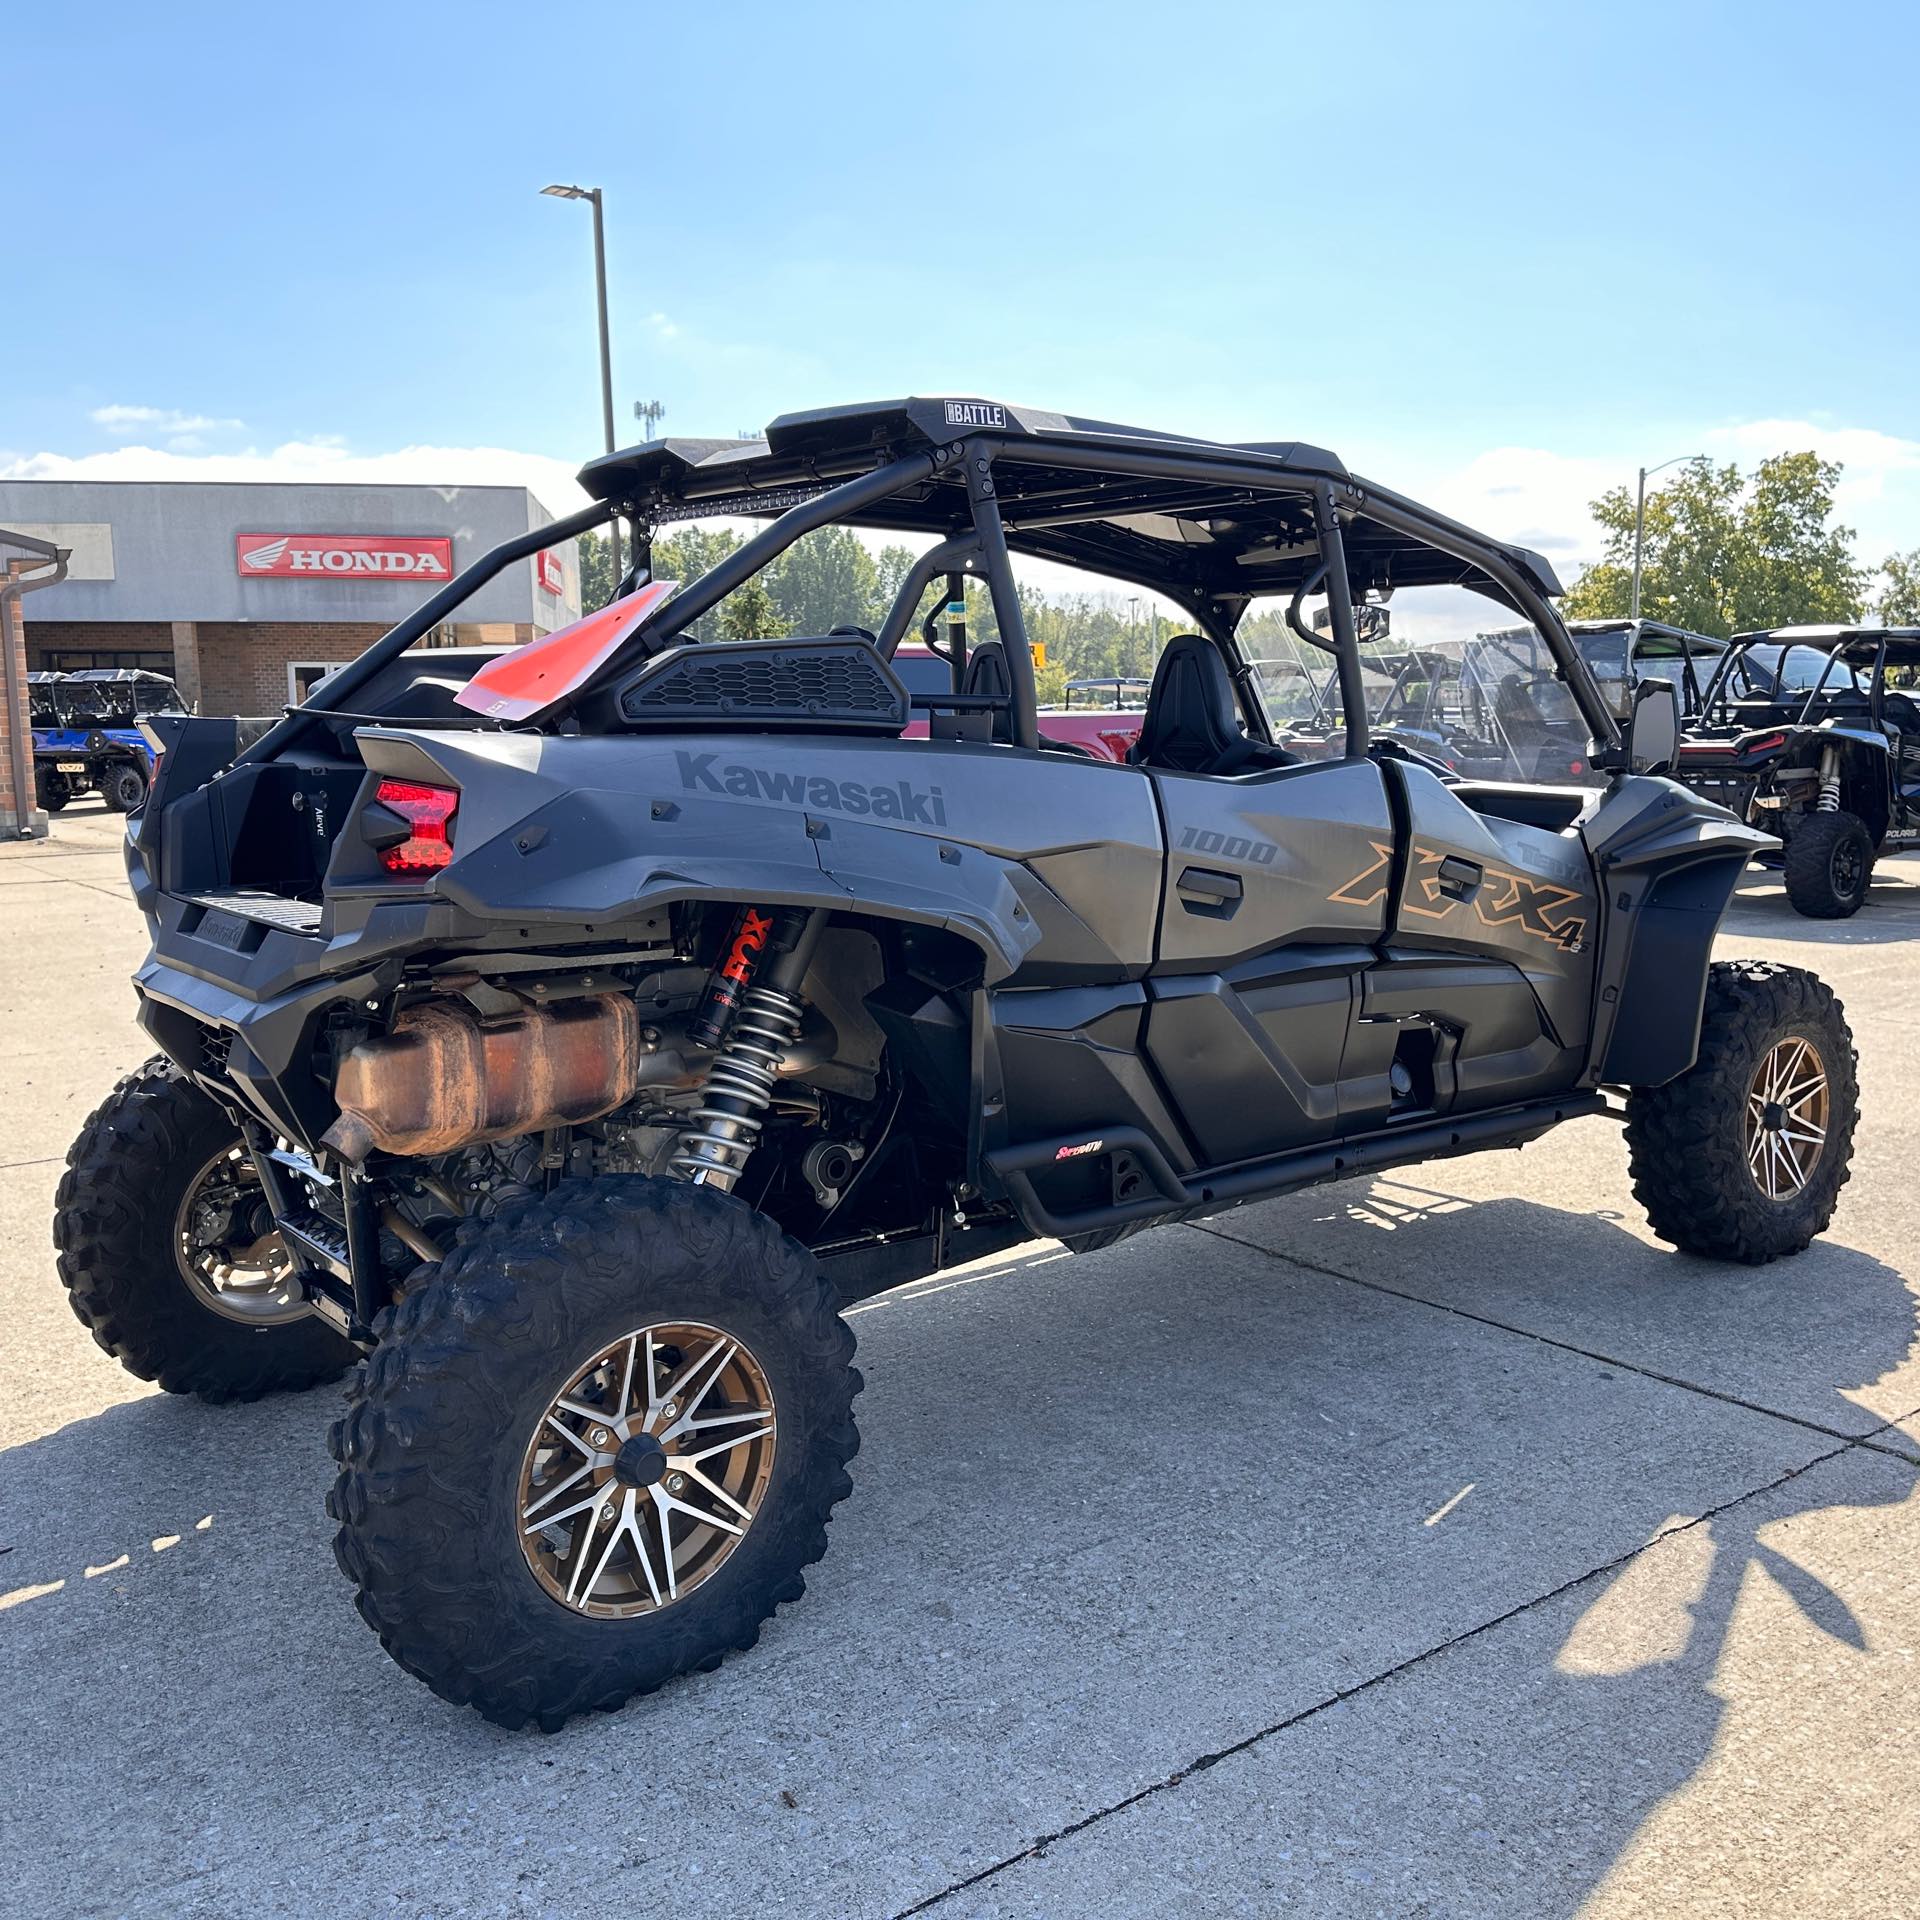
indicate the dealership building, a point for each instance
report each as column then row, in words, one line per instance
column 246, row 594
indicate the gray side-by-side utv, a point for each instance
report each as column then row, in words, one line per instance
column 565, row 1035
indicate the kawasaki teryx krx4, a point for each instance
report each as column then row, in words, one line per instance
column 566, row 1034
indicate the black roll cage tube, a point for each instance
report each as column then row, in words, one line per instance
column 962, row 551
column 987, row 546
column 1836, row 654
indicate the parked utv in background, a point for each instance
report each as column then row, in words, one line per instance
column 1801, row 734
column 575, row 1038
column 1622, row 653
column 86, row 736
column 1520, row 705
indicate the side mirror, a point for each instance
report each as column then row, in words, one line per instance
column 1653, row 728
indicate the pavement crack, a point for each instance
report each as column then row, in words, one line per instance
column 1566, row 1346
column 1036, row 1849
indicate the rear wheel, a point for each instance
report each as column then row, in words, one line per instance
column 49, row 790
column 1829, row 865
column 595, row 1448
column 125, row 785
column 168, row 1251
column 1743, row 1157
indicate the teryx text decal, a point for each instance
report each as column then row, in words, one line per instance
column 1500, row 898
column 897, row 800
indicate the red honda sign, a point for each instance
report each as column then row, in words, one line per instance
column 343, row 556
column 548, row 571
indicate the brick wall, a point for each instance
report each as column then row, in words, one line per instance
column 16, row 809
column 242, row 665
column 243, row 668
column 47, row 637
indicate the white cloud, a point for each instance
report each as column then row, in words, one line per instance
column 321, row 458
column 665, row 328
column 126, row 421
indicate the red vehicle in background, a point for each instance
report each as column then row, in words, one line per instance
column 1106, row 732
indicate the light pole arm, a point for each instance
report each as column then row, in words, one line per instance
column 1639, row 543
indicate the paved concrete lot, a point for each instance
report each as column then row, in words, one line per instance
column 1424, row 1546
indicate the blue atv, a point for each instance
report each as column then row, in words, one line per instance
column 85, row 736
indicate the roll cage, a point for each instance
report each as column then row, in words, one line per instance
column 1848, row 654
column 1210, row 526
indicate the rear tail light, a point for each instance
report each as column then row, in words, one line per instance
column 428, row 812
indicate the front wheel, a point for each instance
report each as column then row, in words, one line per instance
column 124, row 785
column 1829, row 865
column 594, row 1449
column 1744, row 1155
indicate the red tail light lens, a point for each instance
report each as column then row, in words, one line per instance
column 428, row 812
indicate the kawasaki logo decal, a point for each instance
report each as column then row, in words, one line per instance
column 899, row 800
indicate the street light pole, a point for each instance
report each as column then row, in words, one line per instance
column 1640, row 524
column 606, row 347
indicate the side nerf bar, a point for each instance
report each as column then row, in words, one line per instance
column 1214, row 1191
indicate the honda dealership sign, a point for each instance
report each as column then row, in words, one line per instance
column 339, row 556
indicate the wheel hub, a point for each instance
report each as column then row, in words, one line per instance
column 646, row 1470
column 641, row 1462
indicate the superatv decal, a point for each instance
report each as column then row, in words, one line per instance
column 1500, row 899
column 898, row 800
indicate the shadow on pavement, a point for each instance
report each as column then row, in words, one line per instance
column 215, row 1684
column 1583, row 1749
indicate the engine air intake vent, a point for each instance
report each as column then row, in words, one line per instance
column 833, row 684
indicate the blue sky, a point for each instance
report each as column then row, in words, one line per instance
column 1498, row 255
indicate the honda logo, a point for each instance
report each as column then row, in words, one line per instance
column 344, row 556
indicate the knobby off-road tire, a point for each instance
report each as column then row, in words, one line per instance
column 49, row 790
column 115, row 1228
column 1689, row 1143
column 1829, row 865
column 435, row 1444
column 123, row 786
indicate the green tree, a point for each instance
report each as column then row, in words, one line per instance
column 891, row 565
column 1899, row 601
column 596, row 571
column 1725, row 553
column 826, row 579
column 688, row 553
column 749, row 613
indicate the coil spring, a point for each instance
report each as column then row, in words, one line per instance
column 726, row 1127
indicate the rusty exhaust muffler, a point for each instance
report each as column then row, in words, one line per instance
column 444, row 1078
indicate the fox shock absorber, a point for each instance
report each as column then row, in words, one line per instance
column 753, row 1017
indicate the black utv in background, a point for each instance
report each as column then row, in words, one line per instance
column 566, row 1036
column 1803, row 732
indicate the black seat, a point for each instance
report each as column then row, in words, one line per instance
column 1192, row 722
column 987, row 677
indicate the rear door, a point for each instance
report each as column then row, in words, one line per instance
column 1269, row 917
